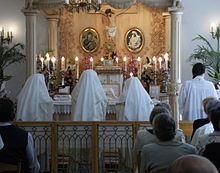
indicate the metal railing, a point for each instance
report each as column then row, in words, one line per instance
column 86, row 147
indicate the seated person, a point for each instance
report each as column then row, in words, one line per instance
column 88, row 98
column 158, row 156
column 145, row 136
column 213, row 137
column 207, row 128
column 18, row 144
column 34, row 102
column 200, row 122
column 192, row 164
column 134, row 104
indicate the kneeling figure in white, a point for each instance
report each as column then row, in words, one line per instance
column 88, row 98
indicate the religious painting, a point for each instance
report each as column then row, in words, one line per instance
column 134, row 40
column 89, row 40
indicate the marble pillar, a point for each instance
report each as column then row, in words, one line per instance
column 175, row 78
column 167, row 19
column 31, row 54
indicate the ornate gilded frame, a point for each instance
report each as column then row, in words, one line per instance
column 89, row 40
column 136, row 42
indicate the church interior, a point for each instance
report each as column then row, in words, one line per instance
column 146, row 42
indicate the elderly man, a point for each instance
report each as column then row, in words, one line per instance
column 17, row 143
column 192, row 164
column 158, row 156
column 193, row 92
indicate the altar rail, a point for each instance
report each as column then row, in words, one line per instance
column 86, row 147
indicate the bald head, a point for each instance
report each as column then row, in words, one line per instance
column 192, row 164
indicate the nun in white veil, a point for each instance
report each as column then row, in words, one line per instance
column 134, row 103
column 88, row 98
column 34, row 102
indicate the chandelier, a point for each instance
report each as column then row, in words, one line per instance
column 78, row 5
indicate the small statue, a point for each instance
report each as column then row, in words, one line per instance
column 177, row 3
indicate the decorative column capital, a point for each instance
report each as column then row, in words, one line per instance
column 53, row 17
column 30, row 12
column 176, row 10
column 173, row 88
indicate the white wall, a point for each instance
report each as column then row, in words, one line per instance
column 11, row 16
column 197, row 18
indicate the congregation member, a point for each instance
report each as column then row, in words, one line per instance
column 192, row 164
column 134, row 104
column 213, row 137
column 193, row 92
column 18, row 144
column 34, row 102
column 89, row 101
column 204, row 126
column 159, row 155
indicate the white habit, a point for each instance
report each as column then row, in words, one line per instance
column 88, row 98
column 191, row 95
column 137, row 103
column 34, row 102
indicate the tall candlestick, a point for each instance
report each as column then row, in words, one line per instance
column 53, row 59
column 91, row 60
column 155, row 63
column 48, row 60
column 125, row 62
column 42, row 62
column 139, row 67
column 160, row 62
column 63, row 63
column 77, row 67
column 166, row 57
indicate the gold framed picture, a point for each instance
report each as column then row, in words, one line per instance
column 89, row 40
column 134, row 40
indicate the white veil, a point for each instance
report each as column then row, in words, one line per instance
column 138, row 104
column 34, row 102
column 88, row 98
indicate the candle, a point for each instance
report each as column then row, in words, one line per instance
column 155, row 63
column 125, row 61
column 139, row 67
column 160, row 62
column 53, row 59
column 166, row 57
column 116, row 59
column 11, row 30
column 131, row 74
column 213, row 28
column 48, row 60
column 91, row 60
column 102, row 59
column 67, row 1
column 99, row 1
column 77, row 67
column 63, row 63
column 62, row 81
column 42, row 62
column 89, row 1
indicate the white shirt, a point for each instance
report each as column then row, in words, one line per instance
column 34, row 102
column 89, row 101
column 138, row 104
column 34, row 165
column 204, row 130
column 191, row 95
column 207, row 139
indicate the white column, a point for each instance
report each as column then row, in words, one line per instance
column 167, row 19
column 31, row 54
column 175, row 79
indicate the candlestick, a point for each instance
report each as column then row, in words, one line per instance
column 48, row 60
column 166, row 57
column 63, row 63
column 53, row 59
column 139, row 67
column 62, row 81
column 91, row 60
column 155, row 63
column 77, row 67
column 42, row 62
column 125, row 62
column 160, row 62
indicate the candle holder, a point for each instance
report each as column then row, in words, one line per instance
column 165, row 81
column 155, row 77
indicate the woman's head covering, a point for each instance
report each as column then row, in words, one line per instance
column 88, row 98
column 138, row 104
column 34, row 102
